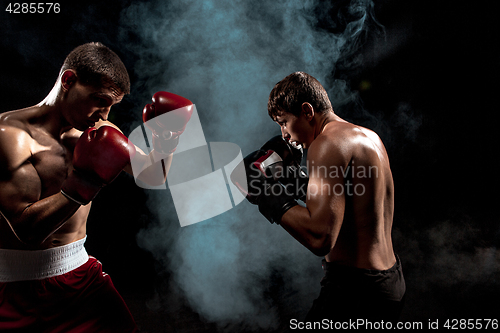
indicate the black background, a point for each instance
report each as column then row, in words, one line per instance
column 444, row 63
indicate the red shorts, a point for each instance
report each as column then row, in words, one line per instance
column 82, row 300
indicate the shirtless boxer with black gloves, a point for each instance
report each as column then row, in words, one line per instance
column 349, row 207
column 49, row 173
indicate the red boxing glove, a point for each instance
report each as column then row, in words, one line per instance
column 167, row 117
column 99, row 157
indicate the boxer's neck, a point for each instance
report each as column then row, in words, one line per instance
column 322, row 120
column 50, row 118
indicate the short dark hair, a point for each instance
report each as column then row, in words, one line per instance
column 96, row 64
column 289, row 94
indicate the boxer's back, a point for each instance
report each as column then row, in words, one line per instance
column 364, row 240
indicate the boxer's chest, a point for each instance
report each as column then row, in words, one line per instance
column 52, row 162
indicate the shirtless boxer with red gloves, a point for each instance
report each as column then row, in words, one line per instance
column 349, row 204
column 49, row 173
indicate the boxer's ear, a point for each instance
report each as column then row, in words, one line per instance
column 68, row 78
column 308, row 111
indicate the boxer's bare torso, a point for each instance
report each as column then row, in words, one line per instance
column 364, row 239
column 350, row 201
column 34, row 164
column 36, row 152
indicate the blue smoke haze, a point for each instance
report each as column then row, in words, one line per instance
column 226, row 56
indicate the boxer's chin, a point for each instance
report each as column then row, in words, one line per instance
column 295, row 145
column 83, row 127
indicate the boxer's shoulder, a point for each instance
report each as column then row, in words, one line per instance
column 342, row 141
column 368, row 148
column 16, row 144
column 19, row 118
column 333, row 141
column 341, row 131
column 16, row 125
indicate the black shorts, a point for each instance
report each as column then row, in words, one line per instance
column 354, row 293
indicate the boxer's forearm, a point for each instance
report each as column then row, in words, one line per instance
column 151, row 169
column 315, row 236
column 167, row 117
column 157, row 172
column 41, row 219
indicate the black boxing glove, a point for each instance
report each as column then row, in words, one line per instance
column 272, row 198
column 285, row 166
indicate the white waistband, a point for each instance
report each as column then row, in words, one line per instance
column 20, row 265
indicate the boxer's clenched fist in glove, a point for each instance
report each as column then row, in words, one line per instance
column 167, row 116
column 284, row 166
column 98, row 158
column 272, row 198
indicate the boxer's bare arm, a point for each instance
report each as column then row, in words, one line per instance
column 150, row 170
column 31, row 218
column 317, row 226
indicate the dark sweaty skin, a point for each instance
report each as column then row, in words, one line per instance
column 350, row 196
column 36, row 150
column 34, row 166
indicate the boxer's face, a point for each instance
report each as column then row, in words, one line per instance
column 298, row 130
column 294, row 129
column 87, row 104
